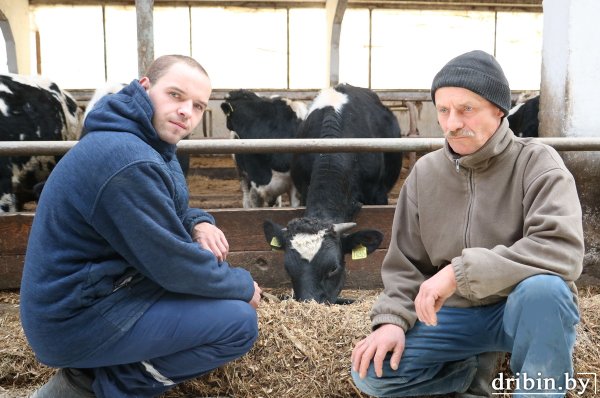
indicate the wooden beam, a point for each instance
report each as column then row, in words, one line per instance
column 459, row 5
column 248, row 246
column 145, row 34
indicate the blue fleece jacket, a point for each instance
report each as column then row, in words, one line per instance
column 111, row 234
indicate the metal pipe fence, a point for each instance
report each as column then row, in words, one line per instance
column 230, row 146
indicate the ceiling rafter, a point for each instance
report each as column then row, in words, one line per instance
column 494, row 5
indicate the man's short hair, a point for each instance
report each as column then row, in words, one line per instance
column 161, row 65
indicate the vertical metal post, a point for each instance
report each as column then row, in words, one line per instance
column 145, row 34
column 335, row 14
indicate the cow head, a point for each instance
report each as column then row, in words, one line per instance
column 314, row 254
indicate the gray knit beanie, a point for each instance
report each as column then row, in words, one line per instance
column 476, row 71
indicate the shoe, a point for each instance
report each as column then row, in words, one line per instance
column 67, row 383
column 481, row 386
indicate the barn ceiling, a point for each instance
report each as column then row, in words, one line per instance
column 503, row 5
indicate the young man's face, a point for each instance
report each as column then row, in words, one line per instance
column 467, row 119
column 180, row 98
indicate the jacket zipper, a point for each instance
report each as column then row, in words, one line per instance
column 469, row 207
column 457, row 165
column 122, row 283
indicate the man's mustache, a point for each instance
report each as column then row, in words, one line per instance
column 460, row 133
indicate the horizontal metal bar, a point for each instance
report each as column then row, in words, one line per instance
column 225, row 146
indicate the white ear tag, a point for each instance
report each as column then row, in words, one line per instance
column 359, row 252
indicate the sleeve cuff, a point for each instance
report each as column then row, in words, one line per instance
column 462, row 283
column 381, row 319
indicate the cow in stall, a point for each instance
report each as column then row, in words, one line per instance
column 32, row 109
column 334, row 186
column 523, row 118
column 264, row 177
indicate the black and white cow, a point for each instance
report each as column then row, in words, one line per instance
column 334, row 186
column 523, row 118
column 32, row 109
column 263, row 177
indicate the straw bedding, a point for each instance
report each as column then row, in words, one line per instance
column 303, row 351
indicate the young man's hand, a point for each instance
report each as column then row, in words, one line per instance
column 255, row 301
column 211, row 238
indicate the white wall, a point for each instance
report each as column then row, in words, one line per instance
column 17, row 13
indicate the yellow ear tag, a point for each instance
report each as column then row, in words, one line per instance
column 359, row 252
column 275, row 243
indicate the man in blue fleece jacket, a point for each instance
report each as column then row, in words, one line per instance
column 125, row 288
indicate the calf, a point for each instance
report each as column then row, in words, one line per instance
column 32, row 109
column 334, row 186
column 523, row 118
column 264, row 177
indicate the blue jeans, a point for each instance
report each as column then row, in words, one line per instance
column 536, row 323
column 178, row 338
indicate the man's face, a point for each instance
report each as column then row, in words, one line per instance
column 467, row 119
column 180, row 98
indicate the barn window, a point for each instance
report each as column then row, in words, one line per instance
column 70, row 45
column 355, row 48
column 285, row 48
column 307, row 48
column 519, row 48
column 241, row 47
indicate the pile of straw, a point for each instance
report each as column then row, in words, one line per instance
column 303, row 351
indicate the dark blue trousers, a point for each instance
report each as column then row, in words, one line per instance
column 180, row 337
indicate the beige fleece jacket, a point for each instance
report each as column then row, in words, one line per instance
column 498, row 216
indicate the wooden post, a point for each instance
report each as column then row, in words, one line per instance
column 145, row 34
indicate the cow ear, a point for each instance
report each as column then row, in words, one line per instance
column 367, row 238
column 226, row 108
column 274, row 235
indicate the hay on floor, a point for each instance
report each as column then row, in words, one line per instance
column 303, row 351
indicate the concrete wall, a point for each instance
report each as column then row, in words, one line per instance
column 568, row 105
column 17, row 13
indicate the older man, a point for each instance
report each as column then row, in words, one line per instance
column 125, row 288
column 486, row 244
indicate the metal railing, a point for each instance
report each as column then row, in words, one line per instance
column 229, row 146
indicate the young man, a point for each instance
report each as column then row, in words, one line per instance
column 125, row 288
column 487, row 242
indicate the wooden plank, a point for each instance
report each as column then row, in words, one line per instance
column 265, row 266
column 244, row 231
column 11, row 270
column 14, row 232
column 267, row 269
column 244, row 227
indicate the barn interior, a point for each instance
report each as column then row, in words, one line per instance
column 555, row 61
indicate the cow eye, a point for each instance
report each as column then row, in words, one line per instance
column 334, row 271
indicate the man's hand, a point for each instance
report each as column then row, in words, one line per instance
column 255, row 301
column 375, row 347
column 211, row 238
column 433, row 293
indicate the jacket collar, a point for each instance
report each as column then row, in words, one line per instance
column 496, row 145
